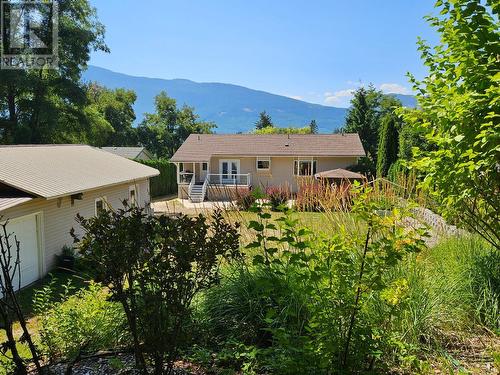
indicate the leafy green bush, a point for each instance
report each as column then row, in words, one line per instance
column 84, row 322
column 306, row 301
column 155, row 266
column 239, row 306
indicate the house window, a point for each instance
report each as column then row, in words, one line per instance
column 100, row 205
column 204, row 166
column 181, row 167
column 304, row 167
column 132, row 196
column 263, row 164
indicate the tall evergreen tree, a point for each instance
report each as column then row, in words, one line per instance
column 363, row 118
column 313, row 127
column 264, row 121
column 388, row 144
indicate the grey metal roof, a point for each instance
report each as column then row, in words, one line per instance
column 127, row 152
column 11, row 202
column 52, row 171
column 201, row 147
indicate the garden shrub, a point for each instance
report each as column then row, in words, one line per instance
column 239, row 306
column 278, row 196
column 306, row 301
column 81, row 323
column 154, row 267
column 244, row 200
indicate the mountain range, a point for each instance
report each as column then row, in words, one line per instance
column 233, row 108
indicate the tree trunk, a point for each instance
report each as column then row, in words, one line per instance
column 11, row 342
column 139, row 357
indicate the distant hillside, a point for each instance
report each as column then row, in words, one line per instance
column 233, row 108
column 406, row 100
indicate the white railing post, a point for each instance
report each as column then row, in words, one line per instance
column 191, row 185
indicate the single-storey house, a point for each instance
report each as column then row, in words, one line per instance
column 217, row 166
column 43, row 187
column 134, row 153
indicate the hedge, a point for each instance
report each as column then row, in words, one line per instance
column 166, row 182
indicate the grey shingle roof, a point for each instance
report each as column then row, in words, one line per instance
column 127, row 152
column 200, row 147
column 51, row 171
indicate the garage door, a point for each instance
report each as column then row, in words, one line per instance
column 25, row 229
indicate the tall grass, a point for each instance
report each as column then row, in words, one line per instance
column 454, row 291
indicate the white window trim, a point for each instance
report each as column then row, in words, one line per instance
column 298, row 161
column 263, row 158
column 238, row 170
column 202, row 164
column 102, row 199
column 136, row 189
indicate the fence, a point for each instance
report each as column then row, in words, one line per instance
column 166, row 182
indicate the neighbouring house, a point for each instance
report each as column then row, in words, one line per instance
column 43, row 187
column 133, row 153
column 218, row 166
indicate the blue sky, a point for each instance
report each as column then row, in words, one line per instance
column 316, row 50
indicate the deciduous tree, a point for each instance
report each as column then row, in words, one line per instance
column 164, row 131
column 459, row 114
column 48, row 105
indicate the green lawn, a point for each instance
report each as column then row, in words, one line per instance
column 325, row 222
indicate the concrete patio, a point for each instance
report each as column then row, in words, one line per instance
column 172, row 206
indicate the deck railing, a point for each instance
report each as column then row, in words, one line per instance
column 185, row 177
column 229, row 179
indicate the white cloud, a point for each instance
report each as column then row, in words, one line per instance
column 339, row 98
column 247, row 109
column 393, row 88
column 297, row 97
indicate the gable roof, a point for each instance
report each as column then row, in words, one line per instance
column 128, row 152
column 201, row 147
column 52, row 171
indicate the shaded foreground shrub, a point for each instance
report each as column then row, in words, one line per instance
column 154, row 267
column 81, row 323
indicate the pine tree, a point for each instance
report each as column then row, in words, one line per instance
column 313, row 127
column 388, row 144
column 363, row 118
column 264, row 121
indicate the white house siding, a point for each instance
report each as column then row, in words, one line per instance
column 58, row 215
